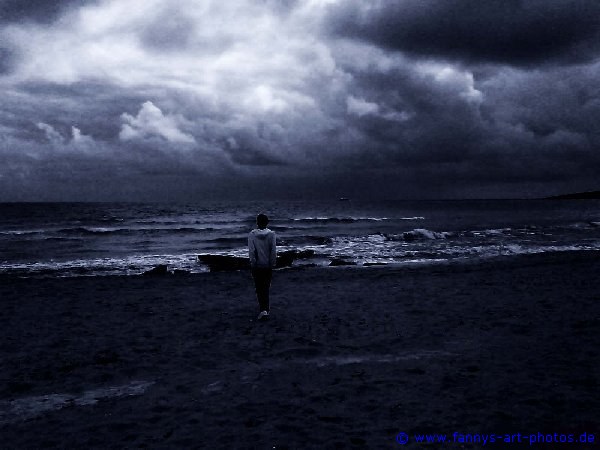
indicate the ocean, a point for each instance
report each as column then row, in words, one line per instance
column 96, row 239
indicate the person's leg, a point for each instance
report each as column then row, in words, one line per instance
column 265, row 287
column 262, row 282
column 257, row 286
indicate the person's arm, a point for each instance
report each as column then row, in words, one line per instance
column 251, row 251
column 273, row 254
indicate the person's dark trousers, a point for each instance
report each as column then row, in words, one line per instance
column 262, row 282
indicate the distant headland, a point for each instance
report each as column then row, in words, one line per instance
column 593, row 195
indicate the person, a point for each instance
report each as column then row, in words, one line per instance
column 263, row 257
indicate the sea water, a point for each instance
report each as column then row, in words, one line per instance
column 91, row 239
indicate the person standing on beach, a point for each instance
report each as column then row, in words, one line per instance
column 263, row 257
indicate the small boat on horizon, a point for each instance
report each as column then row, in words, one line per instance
column 344, row 199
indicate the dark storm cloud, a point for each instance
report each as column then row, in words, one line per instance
column 248, row 149
column 240, row 98
column 506, row 31
column 423, row 114
column 41, row 11
column 509, row 129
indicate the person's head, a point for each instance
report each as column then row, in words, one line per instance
column 262, row 221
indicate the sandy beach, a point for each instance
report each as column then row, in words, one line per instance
column 350, row 358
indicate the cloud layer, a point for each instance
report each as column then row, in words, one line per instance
column 502, row 31
column 132, row 99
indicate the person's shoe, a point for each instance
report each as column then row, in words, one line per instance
column 263, row 315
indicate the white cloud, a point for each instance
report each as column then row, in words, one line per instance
column 79, row 138
column 150, row 121
column 230, row 67
column 454, row 79
column 209, row 47
column 361, row 107
column 51, row 134
column 74, row 143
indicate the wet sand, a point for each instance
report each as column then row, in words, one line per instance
column 350, row 358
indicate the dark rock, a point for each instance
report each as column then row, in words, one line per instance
column 341, row 262
column 158, row 271
column 305, row 254
column 409, row 237
column 219, row 263
column 285, row 259
column 181, row 272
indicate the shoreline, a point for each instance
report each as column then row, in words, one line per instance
column 351, row 357
column 338, row 264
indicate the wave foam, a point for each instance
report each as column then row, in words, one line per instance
column 418, row 233
column 339, row 219
column 29, row 407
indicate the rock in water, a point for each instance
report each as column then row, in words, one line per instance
column 158, row 271
column 181, row 272
column 219, row 263
column 285, row 259
column 341, row 262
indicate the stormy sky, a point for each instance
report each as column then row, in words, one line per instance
column 192, row 99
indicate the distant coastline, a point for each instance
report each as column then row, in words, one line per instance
column 593, row 195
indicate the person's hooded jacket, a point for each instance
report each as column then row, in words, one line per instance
column 262, row 248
